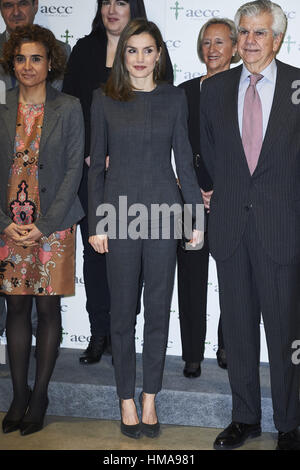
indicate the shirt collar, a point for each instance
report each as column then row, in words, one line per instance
column 269, row 73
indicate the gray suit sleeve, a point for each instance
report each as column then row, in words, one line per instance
column 183, row 155
column 5, row 221
column 68, row 189
column 98, row 155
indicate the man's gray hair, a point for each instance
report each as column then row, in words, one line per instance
column 264, row 6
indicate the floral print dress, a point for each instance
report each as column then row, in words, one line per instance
column 47, row 268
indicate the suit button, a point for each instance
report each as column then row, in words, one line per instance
column 248, row 207
column 43, row 190
column 41, row 166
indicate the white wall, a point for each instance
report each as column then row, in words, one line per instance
column 180, row 22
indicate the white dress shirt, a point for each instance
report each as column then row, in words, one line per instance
column 265, row 88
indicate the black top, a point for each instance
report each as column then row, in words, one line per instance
column 192, row 90
column 87, row 71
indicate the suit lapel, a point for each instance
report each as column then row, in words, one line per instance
column 230, row 107
column 51, row 115
column 10, row 114
column 281, row 95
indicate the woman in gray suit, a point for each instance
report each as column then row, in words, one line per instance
column 137, row 120
column 42, row 138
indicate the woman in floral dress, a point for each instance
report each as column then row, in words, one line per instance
column 41, row 160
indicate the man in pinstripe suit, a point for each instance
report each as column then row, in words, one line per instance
column 250, row 140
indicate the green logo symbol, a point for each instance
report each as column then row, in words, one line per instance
column 175, row 71
column 176, row 8
column 289, row 43
column 66, row 36
column 63, row 333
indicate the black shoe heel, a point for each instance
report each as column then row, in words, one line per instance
column 9, row 425
column 149, row 430
column 27, row 428
column 129, row 430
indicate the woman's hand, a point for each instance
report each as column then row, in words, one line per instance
column 14, row 232
column 197, row 239
column 31, row 235
column 99, row 243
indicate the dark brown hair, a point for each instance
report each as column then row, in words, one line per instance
column 34, row 33
column 119, row 86
column 137, row 10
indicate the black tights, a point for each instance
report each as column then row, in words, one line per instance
column 19, row 336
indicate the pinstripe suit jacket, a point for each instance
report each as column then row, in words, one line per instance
column 272, row 193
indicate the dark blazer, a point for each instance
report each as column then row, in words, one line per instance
column 193, row 94
column 272, row 193
column 10, row 83
column 138, row 136
column 60, row 159
column 87, row 71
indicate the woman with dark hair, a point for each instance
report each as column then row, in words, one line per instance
column 140, row 119
column 42, row 143
column 89, row 66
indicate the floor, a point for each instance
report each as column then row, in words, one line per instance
column 88, row 434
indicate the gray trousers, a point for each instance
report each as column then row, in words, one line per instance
column 125, row 260
column 250, row 282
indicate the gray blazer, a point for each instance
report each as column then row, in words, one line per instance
column 7, row 79
column 60, row 159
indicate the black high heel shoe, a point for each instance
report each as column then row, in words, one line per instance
column 9, row 425
column 149, row 430
column 129, row 430
column 30, row 427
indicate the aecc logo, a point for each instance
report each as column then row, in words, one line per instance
column 56, row 10
column 189, row 13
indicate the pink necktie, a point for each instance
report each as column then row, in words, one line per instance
column 252, row 133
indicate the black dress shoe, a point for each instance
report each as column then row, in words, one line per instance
column 235, row 435
column 221, row 358
column 9, row 425
column 289, row 440
column 30, row 427
column 192, row 370
column 94, row 351
column 129, row 430
column 149, row 430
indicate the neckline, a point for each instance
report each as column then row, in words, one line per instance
column 147, row 92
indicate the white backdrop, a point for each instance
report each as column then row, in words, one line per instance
column 180, row 22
